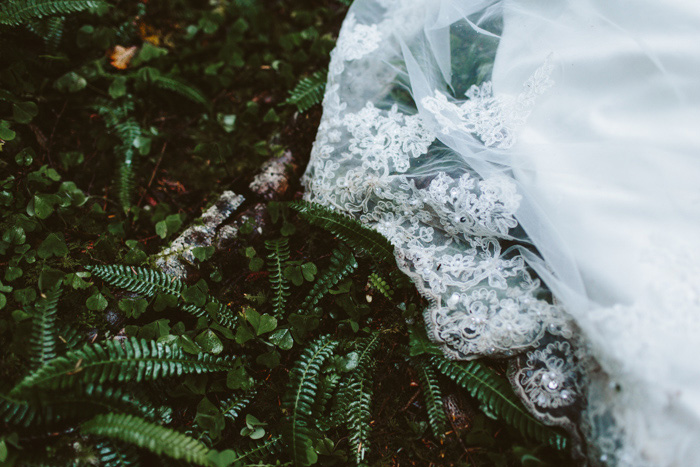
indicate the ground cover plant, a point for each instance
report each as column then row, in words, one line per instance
column 298, row 343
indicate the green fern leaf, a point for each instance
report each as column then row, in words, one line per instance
column 308, row 91
column 44, row 338
column 118, row 120
column 18, row 12
column 47, row 407
column 149, row 282
column 232, row 407
column 378, row 283
column 14, row 411
column 350, row 230
column 495, row 393
column 180, row 87
column 299, row 400
column 113, row 454
column 343, row 263
column 49, row 29
column 433, row 398
column 260, row 450
column 129, row 360
column 359, row 397
column 279, row 254
column 327, row 388
column 157, row 439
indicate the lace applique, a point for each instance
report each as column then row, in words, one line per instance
column 495, row 119
column 386, row 136
column 445, row 230
column 357, row 40
column 548, row 376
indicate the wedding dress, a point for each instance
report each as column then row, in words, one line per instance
column 535, row 164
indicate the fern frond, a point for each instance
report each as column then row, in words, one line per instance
column 180, row 87
column 343, row 263
column 91, row 398
column 149, row 282
column 359, row 411
column 18, row 412
column 260, row 450
column 300, row 397
column 327, row 388
column 48, row 407
column 157, row 439
column 113, row 454
column 125, row 182
column 49, row 29
column 19, row 12
column 232, row 407
column 129, row 360
column 378, row 283
column 279, row 254
column 43, row 340
column 495, row 393
column 399, row 280
column 69, row 337
column 349, row 230
column 430, row 388
column 118, row 120
column 308, row 91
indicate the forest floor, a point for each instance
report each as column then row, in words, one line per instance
column 122, row 125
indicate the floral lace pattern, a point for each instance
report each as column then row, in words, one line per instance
column 446, row 230
column 434, row 172
column 495, row 119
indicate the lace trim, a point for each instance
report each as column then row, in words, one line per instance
column 495, row 119
column 445, row 230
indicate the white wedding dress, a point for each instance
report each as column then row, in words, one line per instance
column 536, row 165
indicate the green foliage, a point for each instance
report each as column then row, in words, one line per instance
column 430, row 388
column 232, row 407
column 259, row 450
column 117, row 127
column 149, row 282
column 121, row 124
column 381, row 285
column 308, row 91
column 175, row 85
column 80, row 401
column 343, row 263
column 129, row 360
column 117, row 454
column 496, row 394
column 276, row 259
column 359, row 398
column 302, row 391
column 145, row 434
column 44, row 338
column 18, row 12
column 349, row 230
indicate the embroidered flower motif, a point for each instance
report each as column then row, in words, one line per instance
column 547, row 376
column 369, row 162
column 357, row 40
column 495, row 119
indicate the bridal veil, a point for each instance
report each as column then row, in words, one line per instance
column 535, row 165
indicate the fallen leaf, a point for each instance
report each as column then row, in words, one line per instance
column 121, row 56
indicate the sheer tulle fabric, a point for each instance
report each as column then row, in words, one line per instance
column 515, row 150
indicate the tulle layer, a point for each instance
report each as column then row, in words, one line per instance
column 499, row 144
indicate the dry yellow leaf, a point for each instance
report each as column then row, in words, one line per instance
column 149, row 34
column 121, row 56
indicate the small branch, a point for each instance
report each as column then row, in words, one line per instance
column 153, row 175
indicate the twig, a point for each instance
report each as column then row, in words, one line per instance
column 459, row 438
column 410, row 401
column 153, row 175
